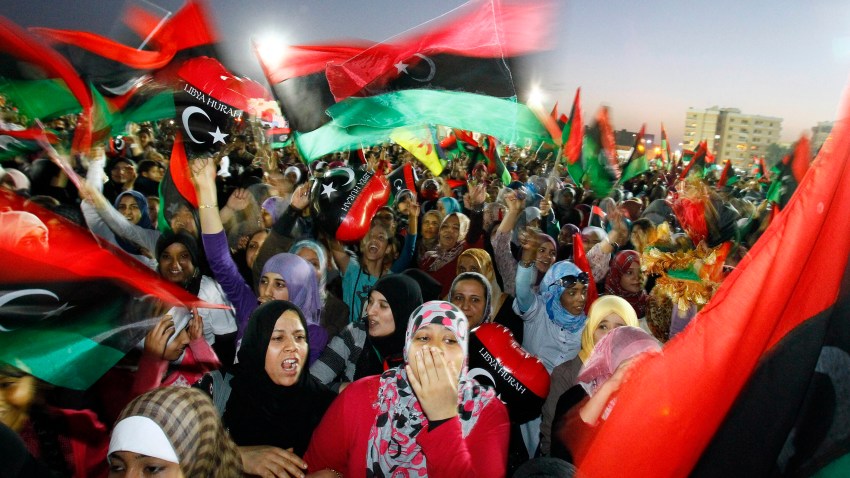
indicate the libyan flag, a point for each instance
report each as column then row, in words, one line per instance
column 69, row 311
column 637, row 163
column 759, row 383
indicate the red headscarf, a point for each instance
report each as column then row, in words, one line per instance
column 619, row 265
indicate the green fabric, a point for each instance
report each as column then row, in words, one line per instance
column 599, row 177
column 42, row 99
column 634, row 168
column 359, row 122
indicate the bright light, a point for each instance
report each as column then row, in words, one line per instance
column 536, row 97
column 649, row 141
column 271, row 47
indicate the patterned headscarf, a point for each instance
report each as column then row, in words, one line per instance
column 551, row 292
column 190, row 422
column 301, row 281
column 436, row 259
column 392, row 440
column 619, row 265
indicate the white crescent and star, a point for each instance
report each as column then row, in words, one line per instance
column 187, row 113
column 348, row 171
column 432, row 69
column 10, row 296
column 328, row 189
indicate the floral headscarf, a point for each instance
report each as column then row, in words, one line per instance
column 616, row 347
column 392, row 440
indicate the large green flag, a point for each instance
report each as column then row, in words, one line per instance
column 637, row 163
column 600, row 157
column 371, row 120
column 42, row 99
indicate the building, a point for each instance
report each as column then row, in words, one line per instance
column 731, row 134
column 820, row 133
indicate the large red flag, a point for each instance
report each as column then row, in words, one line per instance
column 580, row 260
column 757, row 384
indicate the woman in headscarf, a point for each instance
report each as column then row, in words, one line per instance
column 625, row 280
column 174, row 431
column 441, row 263
column 429, row 237
column 179, row 261
column 371, row 346
column 477, row 260
column 471, row 293
column 334, row 315
column 606, row 314
column 600, row 377
column 134, row 207
column 448, row 205
column 402, row 420
column 271, row 404
column 512, row 234
column 283, row 276
column 22, row 230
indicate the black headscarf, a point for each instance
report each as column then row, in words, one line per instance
column 260, row 412
column 404, row 296
column 169, row 238
column 429, row 286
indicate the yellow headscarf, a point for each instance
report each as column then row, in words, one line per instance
column 598, row 311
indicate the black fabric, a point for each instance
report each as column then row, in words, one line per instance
column 572, row 397
column 404, row 296
column 429, row 286
column 260, row 412
column 16, row 459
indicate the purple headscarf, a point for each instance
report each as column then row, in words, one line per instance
column 301, row 281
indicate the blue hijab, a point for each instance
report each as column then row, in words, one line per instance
column 451, row 205
column 144, row 222
column 551, row 295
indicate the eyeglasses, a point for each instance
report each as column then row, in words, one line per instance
column 568, row 280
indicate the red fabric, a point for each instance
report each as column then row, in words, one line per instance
column 801, row 159
column 178, row 168
column 20, row 44
column 199, row 360
column 699, row 156
column 190, row 27
column 487, row 30
column 672, row 404
column 302, row 60
column 580, row 260
column 572, row 144
column 340, row 441
column 724, row 176
column 110, row 49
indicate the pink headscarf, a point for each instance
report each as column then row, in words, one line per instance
column 615, row 348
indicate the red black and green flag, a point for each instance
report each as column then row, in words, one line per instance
column 698, row 161
column 666, row 156
column 637, row 163
column 759, row 383
column 69, row 307
column 600, row 157
column 571, row 140
column 789, row 173
column 23, row 142
column 402, row 178
column 727, row 176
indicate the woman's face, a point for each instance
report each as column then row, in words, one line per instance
column 545, row 256
column 450, row 232
column 440, row 338
column 153, row 208
column 591, row 239
column 34, row 241
column 565, row 237
column 310, row 256
column 470, row 296
column 632, row 279
column 468, row 264
column 441, row 207
column 287, row 352
column 379, row 315
column 175, row 349
column 609, row 323
column 574, row 297
column 132, row 464
column 430, row 226
column 254, row 246
column 129, row 208
column 272, row 287
column 374, row 245
column 175, row 264
column 16, row 395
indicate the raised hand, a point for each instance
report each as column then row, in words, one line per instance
column 301, row 196
column 203, row 174
column 239, row 200
column 196, row 325
column 545, row 206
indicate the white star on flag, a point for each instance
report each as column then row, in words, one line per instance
column 218, row 136
column 328, row 189
column 401, row 67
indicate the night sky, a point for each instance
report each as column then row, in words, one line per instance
column 648, row 60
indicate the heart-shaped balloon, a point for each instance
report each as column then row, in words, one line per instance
column 519, row 378
column 344, row 201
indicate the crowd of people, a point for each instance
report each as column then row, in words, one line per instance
column 350, row 359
